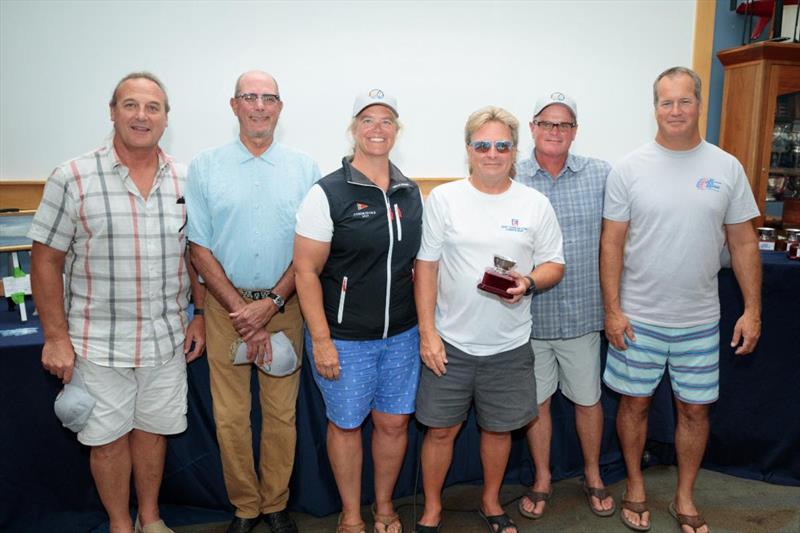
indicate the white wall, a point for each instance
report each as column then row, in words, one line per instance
column 59, row 61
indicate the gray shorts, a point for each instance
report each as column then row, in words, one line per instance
column 502, row 386
column 573, row 364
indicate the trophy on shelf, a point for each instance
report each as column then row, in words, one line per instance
column 497, row 279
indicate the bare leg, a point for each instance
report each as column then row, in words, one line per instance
column 148, row 451
column 589, row 424
column 539, row 434
column 389, row 441
column 691, row 436
column 495, row 447
column 632, row 430
column 346, row 456
column 111, row 469
column 437, row 453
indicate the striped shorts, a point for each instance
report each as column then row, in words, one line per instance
column 691, row 353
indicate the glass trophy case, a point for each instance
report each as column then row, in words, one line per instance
column 782, row 201
column 760, row 126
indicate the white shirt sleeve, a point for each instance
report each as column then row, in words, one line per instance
column 548, row 241
column 616, row 205
column 433, row 228
column 743, row 205
column 314, row 216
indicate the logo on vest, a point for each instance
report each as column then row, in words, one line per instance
column 363, row 211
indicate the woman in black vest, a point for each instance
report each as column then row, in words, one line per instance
column 357, row 234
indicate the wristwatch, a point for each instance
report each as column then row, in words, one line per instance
column 532, row 288
column 277, row 299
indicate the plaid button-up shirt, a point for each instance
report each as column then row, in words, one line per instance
column 574, row 307
column 126, row 283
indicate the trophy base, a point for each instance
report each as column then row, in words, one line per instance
column 496, row 283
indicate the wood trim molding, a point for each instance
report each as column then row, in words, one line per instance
column 758, row 51
column 703, row 51
column 21, row 194
column 26, row 194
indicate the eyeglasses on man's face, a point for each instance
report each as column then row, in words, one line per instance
column 266, row 98
column 546, row 125
column 482, row 147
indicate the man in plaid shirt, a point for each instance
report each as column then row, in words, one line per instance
column 567, row 318
column 111, row 221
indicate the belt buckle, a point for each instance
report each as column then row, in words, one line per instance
column 259, row 294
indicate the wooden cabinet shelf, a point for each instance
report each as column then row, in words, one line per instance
column 785, row 171
column 756, row 76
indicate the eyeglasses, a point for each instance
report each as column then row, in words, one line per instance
column 563, row 127
column 484, row 146
column 266, row 99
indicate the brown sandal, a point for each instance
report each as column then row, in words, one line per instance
column 694, row 521
column 385, row 520
column 635, row 507
column 349, row 528
column 535, row 497
column 601, row 494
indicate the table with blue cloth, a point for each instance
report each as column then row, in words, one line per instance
column 45, row 483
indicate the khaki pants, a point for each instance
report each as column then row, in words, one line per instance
column 268, row 491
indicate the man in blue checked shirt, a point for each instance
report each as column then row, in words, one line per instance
column 567, row 318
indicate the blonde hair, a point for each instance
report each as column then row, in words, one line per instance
column 493, row 114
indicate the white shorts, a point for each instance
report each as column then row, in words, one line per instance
column 151, row 399
column 572, row 363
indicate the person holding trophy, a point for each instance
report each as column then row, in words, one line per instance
column 488, row 244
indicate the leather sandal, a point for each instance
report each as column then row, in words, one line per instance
column 498, row 523
column 349, row 528
column 694, row 521
column 635, row 507
column 534, row 497
column 601, row 494
column 385, row 520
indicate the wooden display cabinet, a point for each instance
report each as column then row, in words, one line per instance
column 760, row 125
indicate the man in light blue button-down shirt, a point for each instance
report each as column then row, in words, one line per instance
column 241, row 203
column 567, row 318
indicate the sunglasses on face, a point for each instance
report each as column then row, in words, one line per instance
column 482, row 147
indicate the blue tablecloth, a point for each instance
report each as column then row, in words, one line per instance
column 45, row 482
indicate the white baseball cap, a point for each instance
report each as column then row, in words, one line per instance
column 74, row 404
column 556, row 98
column 375, row 97
column 284, row 358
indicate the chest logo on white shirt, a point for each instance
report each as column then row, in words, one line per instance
column 514, row 226
column 707, row 184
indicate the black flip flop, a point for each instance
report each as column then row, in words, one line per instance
column 498, row 523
